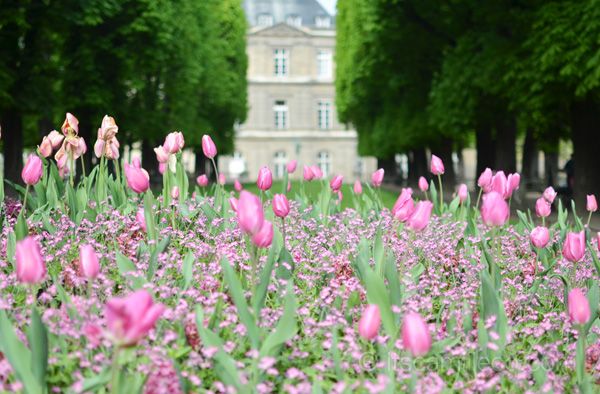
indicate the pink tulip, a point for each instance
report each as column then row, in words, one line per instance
column 316, row 170
column 281, row 205
column 289, row 186
column 33, row 170
column 485, row 180
column 368, row 325
column 574, row 246
column 308, row 174
column 550, row 194
column 162, row 155
column 222, row 179
column 162, row 167
column 542, row 207
column 80, row 149
column 237, row 186
column 598, row 240
column 55, row 138
column 539, row 237
column 592, row 205
column 208, row 147
column 494, row 209
column 423, row 185
column 89, row 265
column 70, row 125
column 291, row 166
column 175, row 192
column 250, row 213
column 264, row 236
column 174, row 142
column 404, row 206
column 140, row 218
column 202, row 180
column 108, row 128
column 463, row 193
column 265, row 179
column 357, row 187
column 514, row 181
column 30, row 264
column 45, row 148
column 233, row 203
column 130, row 318
column 336, row 183
column 415, row 334
column 420, row 216
column 377, row 177
column 579, row 307
column 500, row 184
column 340, row 196
column 437, row 166
column 138, row 179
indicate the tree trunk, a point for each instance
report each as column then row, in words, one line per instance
column 417, row 165
column 445, row 153
column 391, row 169
column 551, row 167
column 12, row 136
column 149, row 161
column 485, row 149
column 201, row 163
column 529, row 170
column 506, row 155
column 585, row 124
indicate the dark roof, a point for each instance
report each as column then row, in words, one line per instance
column 308, row 10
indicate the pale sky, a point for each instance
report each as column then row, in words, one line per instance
column 329, row 5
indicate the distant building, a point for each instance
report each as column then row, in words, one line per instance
column 291, row 95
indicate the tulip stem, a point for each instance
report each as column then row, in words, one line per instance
column 89, row 288
column 114, row 380
column 118, row 171
column 580, row 359
column 441, row 194
column 82, row 166
column 253, row 264
column 283, row 230
column 478, row 199
column 426, row 196
column 589, row 218
column 413, row 376
column 24, row 207
column 212, row 159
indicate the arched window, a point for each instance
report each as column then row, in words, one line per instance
column 324, row 162
column 279, row 163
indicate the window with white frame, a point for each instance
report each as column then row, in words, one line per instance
column 294, row 20
column 280, row 59
column 324, row 162
column 280, row 110
column 264, row 20
column 279, row 164
column 324, row 114
column 324, row 63
column 323, row 21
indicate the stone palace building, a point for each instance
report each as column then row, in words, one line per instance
column 291, row 96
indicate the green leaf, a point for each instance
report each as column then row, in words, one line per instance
column 38, row 342
column 285, row 259
column 97, row 381
column 258, row 298
column 188, row 270
column 377, row 294
column 286, row 327
column 11, row 245
column 153, row 262
column 393, row 279
column 21, row 229
column 593, row 297
column 149, row 215
column 127, row 268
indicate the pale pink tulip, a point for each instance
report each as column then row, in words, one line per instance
column 89, row 265
column 264, row 236
column 174, row 142
column 357, row 187
column 592, row 205
column 162, row 167
column 542, row 207
column 281, row 205
column 31, row 268
column 138, row 179
column 485, row 180
column 161, row 154
column 368, row 325
column 494, row 209
column 420, row 216
column 336, row 183
column 222, row 179
column 291, row 166
column 140, row 218
column 56, row 139
column 404, row 206
column 579, row 307
column 574, row 246
column 233, row 203
column 208, row 147
column 437, row 165
column 317, row 172
column 308, row 173
column 250, row 213
column 550, row 194
column 33, row 170
column 45, row 148
column 377, row 177
column 513, row 181
column 415, row 334
column 202, row 180
column 463, row 193
column 423, row 185
column 175, row 192
column 70, row 125
column 265, row 179
column 500, row 184
column 237, row 186
column 540, row 236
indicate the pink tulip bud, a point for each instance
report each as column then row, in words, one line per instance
column 222, row 179
column 494, row 209
column 423, row 185
column 336, row 183
column 415, row 334
column 138, row 179
column 250, row 213
column 265, row 179
column 463, row 193
column 33, row 170
column 592, row 205
column 368, row 325
column 45, row 148
column 357, row 187
column 175, row 192
column 291, row 166
column 162, row 155
column 174, row 142
column 130, row 318
column 542, row 207
column 550, row 194
column 500, row 184
column 202, row 180
column 89, row 265
column 317, row 172
column 237, row 186
column 55, row 138
column 485, row 180
column 289, row 186
column 136, row 162
column 31, row 267
column 340, row 196
column 579, row 307
column 233, row 203
column 540, row 236
column 404, row 206
column 514, row 181
column 71, row 124
column 420, row 216
column 208, row 147
column 574, row 246
column 264, row 236
column 281, row 205
column 377, row 177
column 140, row 218
column 308, row 174
column 437, row 166
column 162, row 167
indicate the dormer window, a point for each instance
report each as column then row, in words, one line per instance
column 264, row 20
column 323, row 21
column 294, row 20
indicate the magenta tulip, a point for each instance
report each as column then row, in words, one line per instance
column 423, row 185
column 264, row 236
column 202, row 180
column 336, row 183
column 357, row 187
column 308, row 174
column 33, row 170
column 539, row 237
column 574, row 246
column 415, row 334
column 437, row 165
column 250, row 213
column 208, row 147
column 281, row 205
column 265, row 179
column 368, row 325
column 550, row 194
column 420, row 216
column 291, row 166
column 140, row 218
column 494, row 209
column 130, row 318
column 31, row 268
column 377, row 177
column 138, row 179
column 404, row 206
column 542, row 207
column 463, row 193
column 592, row 205
column 485, row 180
column 89, row 265
column 579, row 307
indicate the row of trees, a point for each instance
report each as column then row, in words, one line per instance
column 155, row 65
column 438, row 74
